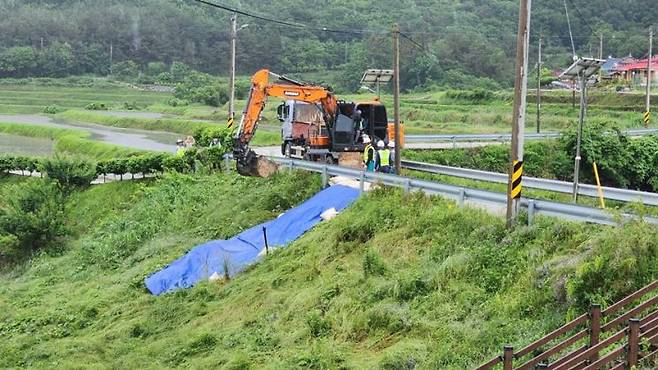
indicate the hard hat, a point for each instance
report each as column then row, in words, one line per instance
column 391, row 144
column 366, row 139
column 380, row 144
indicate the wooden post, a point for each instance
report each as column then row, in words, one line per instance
column 595, row 328
column 231, row 100
column 508, row 357
column 648, row 97
column 633, row 342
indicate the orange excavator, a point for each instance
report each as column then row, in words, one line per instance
column 337, row 128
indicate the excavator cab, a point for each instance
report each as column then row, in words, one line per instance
column 355, row 120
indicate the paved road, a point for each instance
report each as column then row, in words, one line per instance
column 139, row 139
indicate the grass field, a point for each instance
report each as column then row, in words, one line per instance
column 32, row 98
column 431, row 112
column 393, row 282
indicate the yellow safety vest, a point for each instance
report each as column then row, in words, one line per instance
column 384, row 157
column 365, row 153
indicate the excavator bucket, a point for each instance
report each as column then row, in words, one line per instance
column 256, row 165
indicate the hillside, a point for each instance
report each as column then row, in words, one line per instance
column 394, row 282
column 462, row 38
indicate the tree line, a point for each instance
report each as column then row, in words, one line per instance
column 461, row 43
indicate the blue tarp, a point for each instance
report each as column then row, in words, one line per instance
column 238, row 252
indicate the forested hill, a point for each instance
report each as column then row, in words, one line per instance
column 472, row 37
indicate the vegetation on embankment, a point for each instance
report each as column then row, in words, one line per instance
column 622, row 161
column 70, row 141
column 392, row 282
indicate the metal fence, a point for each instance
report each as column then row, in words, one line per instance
column 462, row 194
column 505, row 137
column 623, row 195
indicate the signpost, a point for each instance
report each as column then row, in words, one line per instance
column 582, row 69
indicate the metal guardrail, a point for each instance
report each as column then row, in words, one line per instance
column 505, row 137
column 623, row 195
column 461, row 194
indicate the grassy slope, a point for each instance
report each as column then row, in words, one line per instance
column 392, row 281
column 69, row 141
column 32, row 97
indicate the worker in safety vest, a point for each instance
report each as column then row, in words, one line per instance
column 391, row 147
column 368, row 154
column 383, row 158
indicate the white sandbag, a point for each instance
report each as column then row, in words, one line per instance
column 329, row 214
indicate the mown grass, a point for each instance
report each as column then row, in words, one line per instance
column 393, row 282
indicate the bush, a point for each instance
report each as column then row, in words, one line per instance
column 131, row 106
column 201, row 88
column 474, row 96
column 31, row 218
column 51, row 109
column 69, row 172
column 125, row 71
column 96, row 106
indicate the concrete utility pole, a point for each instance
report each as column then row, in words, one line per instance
column 518, row 114
column 539, row 65
column 231, row 99
column 396, row 94
column 600, row 55
column 647, row 110
column 581, row 119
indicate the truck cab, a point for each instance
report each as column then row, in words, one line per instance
column 304, row 128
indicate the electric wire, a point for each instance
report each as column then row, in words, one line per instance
column 288, row 23
column 573, row 46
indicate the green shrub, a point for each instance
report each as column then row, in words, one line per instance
column 131, row 106
column 373, row 264
column 31, row 218
column 51, row 109
column 96, row 106
column 477, row 95
column 174, row 163
column 69, row 172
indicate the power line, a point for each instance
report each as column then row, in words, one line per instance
column 580, row 15
column 287, row 23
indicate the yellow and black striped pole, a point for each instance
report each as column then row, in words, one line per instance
column 229, row 122
column 517, row 177
column 647, row 118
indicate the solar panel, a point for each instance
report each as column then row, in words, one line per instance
column 583, row 66
column 377, row 76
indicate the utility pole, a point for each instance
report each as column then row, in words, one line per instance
column 647, row 110
column 396, row 94
column 231, row 100
column 539, row 65
column 600, row 55
column 518, row 114
column 581, row 119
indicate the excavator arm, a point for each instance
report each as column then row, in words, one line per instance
column 261, row 89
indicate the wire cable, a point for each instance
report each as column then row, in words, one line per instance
column 573, row 46
column 582, row 18
column 287, row 23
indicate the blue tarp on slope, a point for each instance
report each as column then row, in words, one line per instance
column 243, row 249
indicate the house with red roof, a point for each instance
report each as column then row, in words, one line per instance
column 631, row 69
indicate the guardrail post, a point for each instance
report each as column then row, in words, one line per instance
column 454, row 142
column 462, row 195
column 325, row 177
column 407, row 186
column 531, row 212
column 508, row 357
column 633, row 342
column 362, row 181
column 595, row 328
